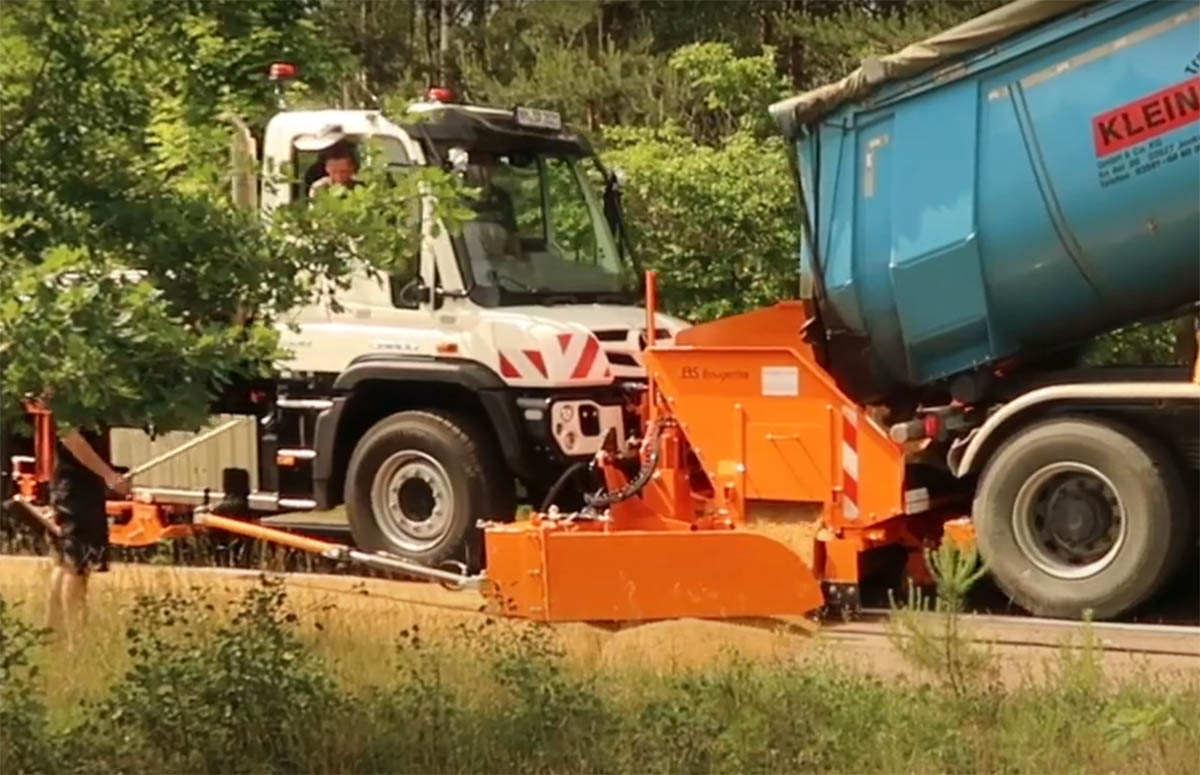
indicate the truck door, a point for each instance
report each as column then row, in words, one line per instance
column 386, row 314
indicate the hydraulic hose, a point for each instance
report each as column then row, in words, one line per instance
column 604, row 499
column 561, row 482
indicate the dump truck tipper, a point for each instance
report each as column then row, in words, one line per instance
column 1007, row 204
column 975, row 207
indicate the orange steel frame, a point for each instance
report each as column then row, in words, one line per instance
column 730, row 441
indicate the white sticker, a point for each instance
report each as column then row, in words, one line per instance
column 780, row 381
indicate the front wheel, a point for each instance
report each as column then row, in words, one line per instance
column 419, row 481
column 1077, row 514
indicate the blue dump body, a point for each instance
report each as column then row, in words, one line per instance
column 1035, row 194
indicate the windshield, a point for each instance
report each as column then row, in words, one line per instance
column 539, row 234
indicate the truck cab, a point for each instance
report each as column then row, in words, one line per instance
column 462, row 384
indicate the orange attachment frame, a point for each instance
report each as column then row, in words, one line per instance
column 768, row 423
column 746, row 433
column 143, row 524
column 727, row 424
column 585, row 572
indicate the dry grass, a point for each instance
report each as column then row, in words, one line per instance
column 354, row 623
column 385, row 676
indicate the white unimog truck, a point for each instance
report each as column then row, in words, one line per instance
column 430, row 400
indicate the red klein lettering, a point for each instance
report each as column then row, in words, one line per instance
column 1147, row 117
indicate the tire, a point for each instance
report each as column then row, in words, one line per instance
column 418, row 482
column 1051, row 489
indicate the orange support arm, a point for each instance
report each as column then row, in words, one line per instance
column 241, row 527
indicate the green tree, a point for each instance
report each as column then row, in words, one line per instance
column 133, row 290
column 558, row 55
column 717, row 222
column 821, row 41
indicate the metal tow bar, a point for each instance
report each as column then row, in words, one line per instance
column 338, row 552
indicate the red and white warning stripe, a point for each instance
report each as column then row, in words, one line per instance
column 577, row 356
column 523, row 364
column 849, row 463
column 587, row 357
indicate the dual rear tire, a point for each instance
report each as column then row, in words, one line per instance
column 1077, row 515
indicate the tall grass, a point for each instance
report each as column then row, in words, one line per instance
column 253, row 683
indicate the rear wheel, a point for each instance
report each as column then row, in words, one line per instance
column 1077, row 514
column 419, row 481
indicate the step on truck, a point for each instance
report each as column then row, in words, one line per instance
column 441, row 396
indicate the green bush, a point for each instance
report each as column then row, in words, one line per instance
column 203, row 695
column 25, row 739
column 718, row 223
column 243, row 691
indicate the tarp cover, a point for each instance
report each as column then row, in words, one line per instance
column 993, row 26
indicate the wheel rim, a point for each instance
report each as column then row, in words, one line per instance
column 412, row 500
column 1069, row 521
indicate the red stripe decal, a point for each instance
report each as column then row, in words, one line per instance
column 850, row 433
column 590, row 348
column 850, row 488
column 535, row 357
column 564, row 340
column 507, row 369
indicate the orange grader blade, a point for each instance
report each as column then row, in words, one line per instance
column 581, row 572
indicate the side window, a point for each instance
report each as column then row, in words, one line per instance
column 571, row 225
column 403, row 285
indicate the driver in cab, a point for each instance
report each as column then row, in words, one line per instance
column 336, row 164
column 494, row 205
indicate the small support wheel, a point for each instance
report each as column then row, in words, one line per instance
column 842, row 599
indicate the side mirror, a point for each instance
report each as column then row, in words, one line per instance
column 458, row 159
column 424, row 294
column 411, row 294
column 612, row 208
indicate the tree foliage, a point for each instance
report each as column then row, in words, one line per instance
column 131, row 290
column 715, row 221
